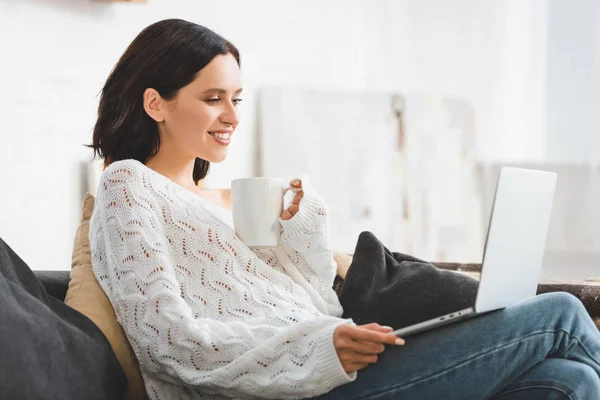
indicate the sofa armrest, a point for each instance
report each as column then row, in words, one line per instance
column 55, row 282
column 587, row 292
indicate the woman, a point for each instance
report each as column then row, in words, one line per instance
column 206, row 315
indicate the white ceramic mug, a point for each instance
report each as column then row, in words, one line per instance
column 257, row 206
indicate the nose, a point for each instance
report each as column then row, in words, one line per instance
column 230, row 115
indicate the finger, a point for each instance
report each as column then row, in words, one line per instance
column 361, row 334
column 378, row 328
column 364, row 359
column 382, row 329
column 368, row 348
column 350, row 357
column 350, row 368
column 286, row 214
column 345, row 343
column 298, row 197
column 293, row 209
column 296, row 183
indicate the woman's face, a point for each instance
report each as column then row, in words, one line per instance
column 200, row 120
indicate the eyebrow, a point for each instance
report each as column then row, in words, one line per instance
column 220, row 91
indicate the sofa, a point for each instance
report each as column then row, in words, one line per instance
column 56, row 284
column 79, row 289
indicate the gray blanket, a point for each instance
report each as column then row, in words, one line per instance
column 398, row 290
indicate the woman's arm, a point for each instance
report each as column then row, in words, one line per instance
column 305, row 240
column 131, row 258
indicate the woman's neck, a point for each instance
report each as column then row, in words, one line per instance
column 177, row 169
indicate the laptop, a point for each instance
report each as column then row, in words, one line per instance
column 514, row 247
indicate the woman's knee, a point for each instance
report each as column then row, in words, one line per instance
column 587, row 381
column 554, row 378
column 563, row 308
column 580, row 381
column 561, row 301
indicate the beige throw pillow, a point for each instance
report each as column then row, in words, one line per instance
column 86, row 296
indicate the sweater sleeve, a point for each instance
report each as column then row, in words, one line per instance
column 233, row 358
column 305, row 240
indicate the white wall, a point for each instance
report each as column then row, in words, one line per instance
column 573, row 100
column 491, row 52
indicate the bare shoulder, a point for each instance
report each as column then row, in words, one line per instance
column 226, row 196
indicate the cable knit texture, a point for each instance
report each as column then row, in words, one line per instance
column 206, row 316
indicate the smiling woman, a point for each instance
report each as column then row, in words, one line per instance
column 181, row 101
column 198, row 122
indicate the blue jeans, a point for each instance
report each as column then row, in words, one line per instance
column 544, row 348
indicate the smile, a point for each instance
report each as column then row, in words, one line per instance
column 220, row 135
column 221, row 138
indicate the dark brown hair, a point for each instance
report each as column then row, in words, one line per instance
column 165, row 56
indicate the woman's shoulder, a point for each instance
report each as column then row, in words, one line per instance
column 129, row 177
column 128, row 167
column 126, row 172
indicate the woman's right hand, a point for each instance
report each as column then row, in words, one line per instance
column 358, row 346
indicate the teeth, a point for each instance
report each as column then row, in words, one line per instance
column 223, row 136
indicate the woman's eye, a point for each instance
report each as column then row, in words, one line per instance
column 216, row 100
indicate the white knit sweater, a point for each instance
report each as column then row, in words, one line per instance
column 206, row 316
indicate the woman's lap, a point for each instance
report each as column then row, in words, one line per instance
column 477, row 358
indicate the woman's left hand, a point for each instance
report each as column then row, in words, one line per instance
column 289, row 212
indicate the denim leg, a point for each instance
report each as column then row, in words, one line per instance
column 478, row 358
column 554, row 379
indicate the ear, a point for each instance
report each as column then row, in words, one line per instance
column 154, row 105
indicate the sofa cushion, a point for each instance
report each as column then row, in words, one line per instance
column 55, row 282
column 85, row 295
column 49, row 350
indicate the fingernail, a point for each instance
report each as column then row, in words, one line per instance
column 295, row 182
column 387, row 327
column 399, row 342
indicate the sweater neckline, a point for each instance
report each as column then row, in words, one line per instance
column 188, row 192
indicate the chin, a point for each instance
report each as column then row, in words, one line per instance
column 216, row 158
